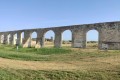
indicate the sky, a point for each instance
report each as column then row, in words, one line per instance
column 29, row 14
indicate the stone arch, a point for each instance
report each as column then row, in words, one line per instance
column 2, row 38
column 8, row 38
column 67, row 38
column 49, row 37
column 22, row 37
column 92, row 38
column 15, row 39
column 33, row 38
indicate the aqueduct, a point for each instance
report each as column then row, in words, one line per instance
column 109, row 35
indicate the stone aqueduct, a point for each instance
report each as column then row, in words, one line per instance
column 109, row 35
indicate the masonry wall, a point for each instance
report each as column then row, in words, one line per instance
column 109, row 35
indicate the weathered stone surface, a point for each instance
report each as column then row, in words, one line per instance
column 109, row 35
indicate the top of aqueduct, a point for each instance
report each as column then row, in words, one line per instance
column 69, row 26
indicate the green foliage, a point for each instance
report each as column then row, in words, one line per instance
column 34, row 54
column 45, row 51
column 12, row 74
column 51, row 54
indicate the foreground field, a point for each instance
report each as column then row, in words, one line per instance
column 12, row 74
column 58, row 64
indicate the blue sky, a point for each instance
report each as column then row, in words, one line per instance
column 27, row 14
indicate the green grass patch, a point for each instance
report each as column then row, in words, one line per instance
column 41, row 54
column 45, row 51
column 12, row 74
column 51, row 54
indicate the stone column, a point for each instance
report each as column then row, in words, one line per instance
column 14, row 39
column 58, row 39
column 40, row 42
column 78, row 39
column 27, row 39
column 11, row 39
column 37, row 43
column 5, row 39
column 0, row 38
column 99, row 40
column 19, row 38
column 103, row 38
column 8, row 39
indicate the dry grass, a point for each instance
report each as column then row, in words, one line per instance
column 92, row 45
column 69, row 61
column 80, row 64
column 90, row 63
column 51, row 44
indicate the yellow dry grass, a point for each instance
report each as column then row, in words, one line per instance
column 86, row 64
column 51, row 44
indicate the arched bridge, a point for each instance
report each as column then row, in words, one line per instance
column 109, row 35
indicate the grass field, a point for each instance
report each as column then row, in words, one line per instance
column 58, row 64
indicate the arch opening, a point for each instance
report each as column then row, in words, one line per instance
column 92, row 39
column 33, row 39
column 49, row 38
column 67, row 38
